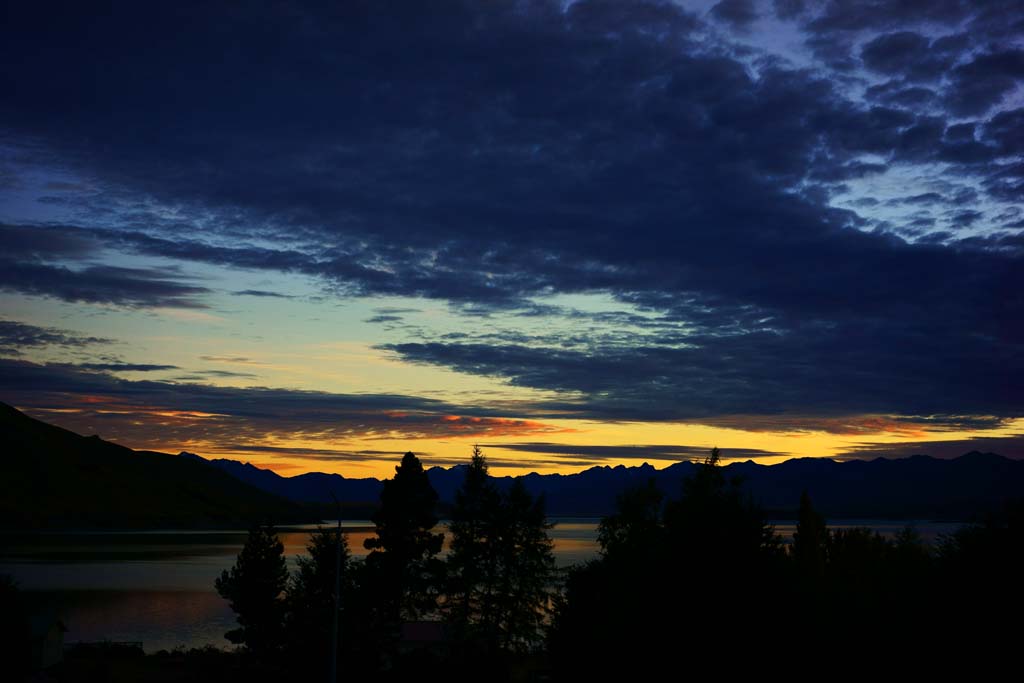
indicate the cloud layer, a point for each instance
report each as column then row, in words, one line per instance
column 833, row 227
column 164, row 414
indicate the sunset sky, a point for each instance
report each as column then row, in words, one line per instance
column 314, row 236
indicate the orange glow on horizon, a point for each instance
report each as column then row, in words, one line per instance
column 372, row 448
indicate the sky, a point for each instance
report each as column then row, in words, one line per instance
column 314, row 236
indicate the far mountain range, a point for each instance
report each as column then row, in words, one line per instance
column 56, row 479
column 917, row 487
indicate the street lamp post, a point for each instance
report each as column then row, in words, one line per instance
column 337, row 598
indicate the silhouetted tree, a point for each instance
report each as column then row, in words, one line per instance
column 403, row 563
column 810, row 541
column 856, row 556
column 635, row 528
column 716, row 524
column 609, row 604
column 310, row 599
column 473, row 558
column 254, row 587
column 683, row 575
column 500, row 571
column 979, row 569
column 527, row 564
column 721, row 553
column 616, row 604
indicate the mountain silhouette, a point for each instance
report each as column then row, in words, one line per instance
column 56, row 479
column 918, row 487
column 313, row 487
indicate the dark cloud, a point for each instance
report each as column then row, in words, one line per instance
column 393, row 310
column 34, row 243
column 321, row 454
column 907, row 54
column 262, row 293
column 966, row 152
column 358, row 456
column 923, row 198
column 244, row 256
column 1000, row 241
column 810, row 369
column 230, row 359
column 1004, row 130
column 736, row 12
column 833, row 25
column 965, row 218
column 516, row 463
column 857, row 425
column 63, row 186
column 648, row 452
column 953, row 422
column 982, row 83
column 921, row 228
column 859, row 15
column 625, row 151
column 224, row 373
column 160, row 414
column 126, row 367
column 16, row 336
column 34, row 262
column 142, row 287
column 898, row 93
column 788, row 9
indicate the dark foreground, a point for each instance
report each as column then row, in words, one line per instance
column 683, row 584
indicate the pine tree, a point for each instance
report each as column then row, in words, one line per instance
column 810, row 541
column 526, row 566
column 310, row 598
column 254, row 587
column 634, row 531
column 403, row 559
column 501, row 563
column 473, row 560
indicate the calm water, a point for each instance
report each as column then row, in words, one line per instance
column 157, row 587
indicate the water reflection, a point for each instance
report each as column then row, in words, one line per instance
column 157, row 587
column 161, row 620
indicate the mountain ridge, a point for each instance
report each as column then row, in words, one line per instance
column 915, row 487
column 54, row 478
column 57, row 478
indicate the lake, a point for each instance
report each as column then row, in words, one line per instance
column 157, row 586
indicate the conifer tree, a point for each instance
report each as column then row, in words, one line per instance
column 810, row 541
column 501, row 563
column 527, row 565
column 473, row 558
column 310, row 598
column 254, row 587
column 403, row 560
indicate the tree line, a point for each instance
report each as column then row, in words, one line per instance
column 702, row 579
column 700, row 576
column 403, row 609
